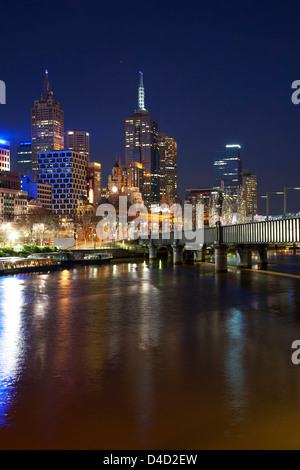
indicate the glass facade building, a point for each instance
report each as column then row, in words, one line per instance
column 24, row 158
column 228, row 169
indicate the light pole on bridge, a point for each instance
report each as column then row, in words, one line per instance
column 268, row 196
column 285, row 198
column 262, row 197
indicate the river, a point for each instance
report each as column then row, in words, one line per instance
column 146, row 355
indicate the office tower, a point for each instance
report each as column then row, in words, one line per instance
column 141, row 145
column 47, row 125
column 42, row 193
column 167, row 149
column 249, row 183
column 94, row 176
column 134, row 175
column 79, row 141
column 228, row 169
column 4, row 155
column 24, row 158
column 66, row 172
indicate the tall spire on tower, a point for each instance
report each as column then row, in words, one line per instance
column 141, row 94
column 47, row 93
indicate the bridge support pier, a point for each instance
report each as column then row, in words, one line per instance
column 177, row 253
column 152, row 251
column 220, row 257
column 200, row 254
column 244, row 255
column 220, row 250
column 263, row 255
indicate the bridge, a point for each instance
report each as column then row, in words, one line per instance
column 244, row 238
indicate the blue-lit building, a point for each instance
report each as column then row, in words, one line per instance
column 228, row 169
column 66, row 172
column 4, row 155
column 24, row 158
column 42, row 193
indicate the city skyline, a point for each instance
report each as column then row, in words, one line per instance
column 149, row 228
column 190, row 89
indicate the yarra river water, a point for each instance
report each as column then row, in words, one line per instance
column 151, row 356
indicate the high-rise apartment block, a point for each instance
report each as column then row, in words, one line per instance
column 47, row 125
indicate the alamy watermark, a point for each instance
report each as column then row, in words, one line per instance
column 296, row 355
column 2, row 92
column 178, row 223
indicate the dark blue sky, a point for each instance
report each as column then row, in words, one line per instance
column 215, row 72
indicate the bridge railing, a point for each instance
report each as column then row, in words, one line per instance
column 272, row 231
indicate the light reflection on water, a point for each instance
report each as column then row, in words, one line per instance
column 11, row 343
column 147, row 355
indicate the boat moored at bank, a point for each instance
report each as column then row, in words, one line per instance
column 25, row 265
column 97, row 258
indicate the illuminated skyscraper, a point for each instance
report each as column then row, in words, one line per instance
column 79, row 141
column 47, row 125
column 167, row 148
column 141, row 145
column 228, row 169
column 249, row 182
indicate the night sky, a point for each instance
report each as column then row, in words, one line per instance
column 215, row 73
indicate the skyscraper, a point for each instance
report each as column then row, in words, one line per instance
column 141, row 145
column 24, row 158
column 167, row 149
column 249, row 183
column 4, row 155
column 47, row 124
column 228, row 169
column 79, row 141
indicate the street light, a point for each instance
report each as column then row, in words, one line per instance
column 285, row 198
